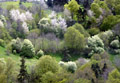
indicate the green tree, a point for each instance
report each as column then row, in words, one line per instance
column 74, row 39
column 4, row 35
column 27, row 49
column 114, row 77
column 73, row 7
column 23, row 76
column 3, row 77
column 109, row 22
column 93, row 31
column 96, row 9
column 45, row 64
column 48, row 78
column 81, row 29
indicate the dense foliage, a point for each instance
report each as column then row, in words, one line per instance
column 60, row 41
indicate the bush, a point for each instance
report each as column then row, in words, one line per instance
column 106, row 37
column 95, row 44
column 115, row 47
column 115, row 44
column 93, row 31
column 69, row 66
column 2, row 43
column 16, row 45
column 46, row 64
column 27, row 49
column 4, row 35
column 40, row 53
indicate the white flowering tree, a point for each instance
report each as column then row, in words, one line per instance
column 95, row 44
column 21, row 19
column 54, row 24
column 25, row 28
column 70, row 66
column 16, row 15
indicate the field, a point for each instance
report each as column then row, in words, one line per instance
column 32, row 61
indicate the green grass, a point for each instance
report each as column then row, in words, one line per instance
column 16, row 58
column 16, row 4
column 57, row 56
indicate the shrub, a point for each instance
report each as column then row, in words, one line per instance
column 95, row 44
column 40, row 53
column 27, row 49
column 4, row 35
column 106, row 37
column 2, row 43
column 69, row 66
column 46, row 64
column 93, row 31
column 16, row 45
column 115, row 44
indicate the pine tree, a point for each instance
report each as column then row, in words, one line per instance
column 23, row 76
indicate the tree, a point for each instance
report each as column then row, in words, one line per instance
column 10, row 68
column 23, row 76
column 27, row 49
column 3, row 77
column 4, row 34
column 96, row 9
column 74, row 39
column 46, row 64
column 16, row 45
column 81, row 29
column 48, row 78
column 95, row 44
column 109, row 22
column 114, row 76
column 73, row 6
